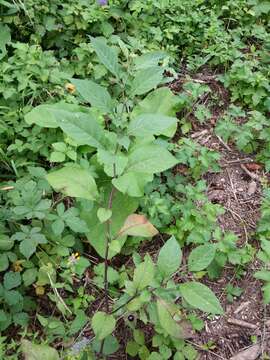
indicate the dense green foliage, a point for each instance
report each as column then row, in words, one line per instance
column 90, row 137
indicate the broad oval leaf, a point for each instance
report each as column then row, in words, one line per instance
column 201, row 297
column 150, row 159
column 122, row 206
column 144, row 274
column 83, row 128
column 170, row 257
column 94, row 94
column 106, row 55
column 149, row 59
column 103, row 324
column 104, row 214
column 152, row 124
column 74, row 181
column 201, row 257
column 160, row 101
column 137, row 225
column 166, row 320
column 6, row 243
column 76, row 121
column 50, row 115
column 132, row 183
column 146, row 80
column 37, row 352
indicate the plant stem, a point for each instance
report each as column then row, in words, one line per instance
column 106, row 264
column 108, row 239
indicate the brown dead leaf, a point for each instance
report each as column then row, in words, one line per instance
column 253, row 166
column 137, row 225
column 252, row 187
column 251, row 353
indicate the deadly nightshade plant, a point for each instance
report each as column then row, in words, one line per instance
column 122, row 135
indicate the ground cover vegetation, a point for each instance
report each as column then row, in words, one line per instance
column 134, row 186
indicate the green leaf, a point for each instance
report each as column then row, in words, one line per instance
column 144, row 274
column 170, row 257
column 6, row 243
column 73, row 181
column 132, row 348
column 29, row 276
column 37, row 352
column 13, row 297
column 262, row 275
column 104, row 214
column 166, row 320
column 149, row 59
column 200, row 297
column 122, row 206
column 107, row 56
column 152, row 124
column 137, row 225
column 160, row 101
column 58, row 226
column 94, row 94
column 5, row 38
column 103, row 324
column 78, row 323
column 12, row 280
column 28, row 247
column 110, row 346
column 138, row 336
column 83, row 128
column 149, row 159
column 51, row 115
column 132, row 183
column 146, row 79
column 201, row 257
column 4, row 262
column 21, row 318
column 114, row 164
column 144, row 160
column 57, row 156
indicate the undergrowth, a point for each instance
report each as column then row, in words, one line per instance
column 96, row 159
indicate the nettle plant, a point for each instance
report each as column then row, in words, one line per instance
column 124, row 142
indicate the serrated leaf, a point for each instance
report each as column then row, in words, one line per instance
column 103, row 324
column 107, row 56
column 94, row 94
column 201, row 257
column 28, row 247
column 146, row 80
column 12, row 280
column 4, row 262
column 137, row 225
column 73, row 181
column 152, row 124
column 170, row 257
column 144, row 274
column 37, row 352
column 201, row 297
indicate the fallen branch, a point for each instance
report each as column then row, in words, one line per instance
column 241, row 323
